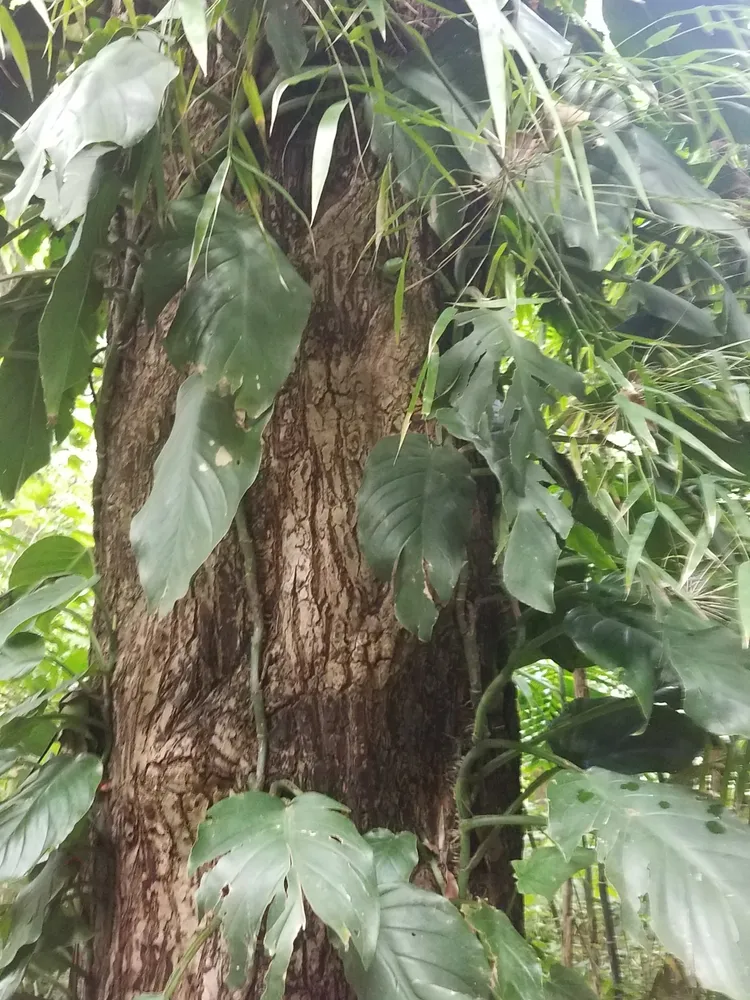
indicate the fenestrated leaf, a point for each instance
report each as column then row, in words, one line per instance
column 617, row 645
column 285, row 35
column 24, row 435
column 530, row 560
column 609, row 732
column 44, row 810
column 53, row 555
column 395, row 854
column 545, row 870
column 64, row 350
column 424, row 950
column 39, row 601
column 688, row 854
column 415, row 514
column 267, row 848
column 200, row 476
column 113, row 98
column 235, row 335
column 29, row 908
column 19, row 654
column 516, row 970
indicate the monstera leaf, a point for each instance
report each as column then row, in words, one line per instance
column 202, row 473
column 242, row 314
column 424, row 951
column 112, row 99
column 686, row 853
column 44, row 810
column 272, row 853
column 415, row 515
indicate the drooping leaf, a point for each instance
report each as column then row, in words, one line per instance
column 64, row 353
column 30, row 906
column 267, row 849
column 193, row 14
column 395, row 854
column 686, row 852
column 53, row 555
column 325, row 138
column 66, row 195
column 530, row 561
column 546, row 868
column 19, row 654
column 680, row 314
column 609, row 732
column 415, row 515
column 285, row 35
column 516, row 970
column 743, row 601
column 200, row 476
column 112, row 99
column 9, row 30
column 207, row 215
column 424, row 950
column 39, row 601
column 44, row 810
column 235, row 336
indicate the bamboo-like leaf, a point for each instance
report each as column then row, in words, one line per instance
column 398, row 296
column 490, row 24
column 743, row 601
column 325, row 138
column 193, row 14
column 637, row 544
column 207, row 214
column 17, row 47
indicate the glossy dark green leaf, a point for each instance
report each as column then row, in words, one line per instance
column 530, row 560
column 19, row 654
column 64, row 347
column 609, row 732
column 546, row 868
column 53, row 555
column 271, row 851
column 44, row 810
column 286, row 35
column 24, row 435
column 415, row 508
column 30, row 906
column 516, row 973
column 395, row 854
column 200, row 476
column 688, row 854
column 235, row 337
column 679, row 313
column 424, row 950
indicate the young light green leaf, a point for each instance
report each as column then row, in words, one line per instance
column 19, row 654
column 377, row 9
column 424, row 950
column 193, row 14
column 685, row 852
column 398, row 296
column 516, row 970
column 546, row 868
column 264, row 843
column 17, row 47
column 200, row 476
column 207, row 215
column 39, row 601
column 396, row 855
column 743, row 601
column 637, row 544
column 415, row 516
column 53, row 555
column 44, row 810
column 325, row 138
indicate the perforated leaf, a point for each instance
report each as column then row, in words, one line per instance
column 688, row 854
column 269, row 849
column 44, row 810
column 112, row 99
column 415, row 516
column 242, row 315
column 200, row 476
column 424, row 951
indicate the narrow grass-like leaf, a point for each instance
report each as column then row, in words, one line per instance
column 193, row 14
column 398, row 296
column 207, row 214
column 17, row 47
column 323, row 151
column 637, row 544
column 743, row 601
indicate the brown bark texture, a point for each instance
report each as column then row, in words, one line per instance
column 356, row 707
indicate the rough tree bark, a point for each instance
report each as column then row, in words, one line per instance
column 356, row 708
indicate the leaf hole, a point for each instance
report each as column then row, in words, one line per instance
column 333, row 837
column 716, row 809
column 630, row 786
column 665, row 805
column 715, row 827
column 584, row 796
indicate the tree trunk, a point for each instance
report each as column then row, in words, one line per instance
column 356, row 708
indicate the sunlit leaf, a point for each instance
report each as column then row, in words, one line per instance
column 37, row 602
column 325, row 138
column 546, row 868
column 53, row 555
column 193, row 14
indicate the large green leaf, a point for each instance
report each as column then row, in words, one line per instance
column 415, row 509
column 516, row 970
column 678, row 313
column 546, row 868
column 271, row 851
column 37, row 602
column 112, row 99
column 44, row 810
column 395, row 854
column 200, row 476
column 609, row 732
column 242, row 315
column 30, row 906
column 24, row 435
column 53, row 555
column 530, row 561
column 424, row 951
column 566, row 984
column 64, row 340
column 685, row 852
column 19, row 654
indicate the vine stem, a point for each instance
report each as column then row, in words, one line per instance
column 191, row 951
column 256, row 645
